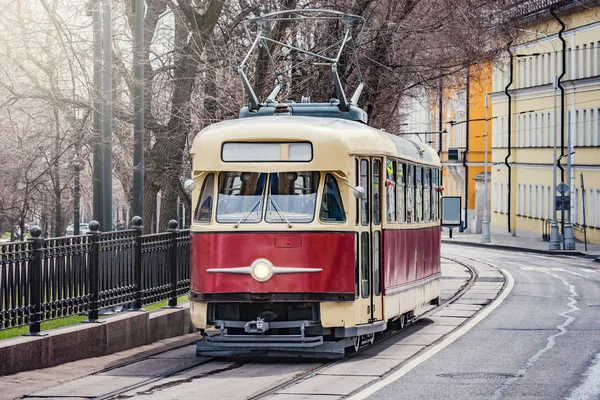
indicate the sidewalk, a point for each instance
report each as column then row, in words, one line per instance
column 518, row 243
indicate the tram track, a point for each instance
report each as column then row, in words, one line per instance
column 125, row 392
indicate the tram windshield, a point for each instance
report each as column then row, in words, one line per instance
column 292, row 196
column 241, row 197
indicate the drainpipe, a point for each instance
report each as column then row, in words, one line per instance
column 562, row 111
column 465, row 166
column 508, row 154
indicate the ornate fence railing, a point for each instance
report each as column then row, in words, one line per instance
column 43, row 279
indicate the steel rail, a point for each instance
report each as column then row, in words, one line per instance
column 302, row 376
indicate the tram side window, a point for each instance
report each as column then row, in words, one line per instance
column 357, row 183
column 427, row 195
column 203, row 212
column 410, row 194
column 401, row 192
column 364, row 182
column 435, row 195
column 419, row 194
column 364, row 263
column 332, row 208
column 376, row 192
column 390, row 189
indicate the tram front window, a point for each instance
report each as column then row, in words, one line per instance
column 292, row 197
column 241, row 196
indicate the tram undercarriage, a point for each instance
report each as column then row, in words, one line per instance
column 283, row 330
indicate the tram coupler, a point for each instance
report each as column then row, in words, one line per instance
column 258, row 326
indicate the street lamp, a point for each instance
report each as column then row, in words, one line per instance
column 485, row 224
column 554, row 234
column 79, row 118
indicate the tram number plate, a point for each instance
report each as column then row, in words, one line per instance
column 288, row 241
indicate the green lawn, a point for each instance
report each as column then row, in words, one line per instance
column 74, row 319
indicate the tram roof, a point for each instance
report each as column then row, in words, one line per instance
column 333, row 134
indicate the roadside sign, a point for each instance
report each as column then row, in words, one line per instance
column 563, row 203
column 451, row 211
column 562, row 188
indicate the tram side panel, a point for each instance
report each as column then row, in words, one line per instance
column 411, row 269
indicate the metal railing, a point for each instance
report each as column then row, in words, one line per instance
column 44, row 279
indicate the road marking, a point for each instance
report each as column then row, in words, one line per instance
column 551, row 340
column 564, row 270
column 363, row 394
column 528, row 268
column 591, row 271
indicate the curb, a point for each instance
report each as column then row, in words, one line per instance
column 515, row 248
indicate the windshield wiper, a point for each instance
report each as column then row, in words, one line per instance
column 278, row 211
column 262, row 196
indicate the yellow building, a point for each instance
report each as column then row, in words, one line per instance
column 524, row 123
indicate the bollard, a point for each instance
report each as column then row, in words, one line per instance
column 173, row 229
column 94, row 272
column 36, row 282
column 136, row 223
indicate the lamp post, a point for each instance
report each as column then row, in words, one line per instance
column 554, row 233
column 138, row 136
column 485, row 224
column 79, row 117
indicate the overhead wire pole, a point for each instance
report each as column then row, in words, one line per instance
column 107, row 112
column 97, row 181
column 485, row 225
column 138, row 129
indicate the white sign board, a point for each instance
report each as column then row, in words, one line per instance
column 451, row 211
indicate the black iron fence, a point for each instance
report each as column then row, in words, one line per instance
column 44, row 279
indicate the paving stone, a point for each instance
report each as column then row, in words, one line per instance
column 329, row 385
column 420, row 339
column 183, row 352
column 150, row 367
column 452, row 321
column 282, row 396
column 467, row 307
column 481, row 302
column 454, row 313
column 398, row 352
column 437, row 329
column 363, row 366
column 90, row 386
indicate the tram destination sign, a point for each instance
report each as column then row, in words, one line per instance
column 451, row 211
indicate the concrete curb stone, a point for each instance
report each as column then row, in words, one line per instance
column 515, row 248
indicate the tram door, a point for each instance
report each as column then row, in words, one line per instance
column 369, row 238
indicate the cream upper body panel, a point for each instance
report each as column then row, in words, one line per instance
column 333, row 142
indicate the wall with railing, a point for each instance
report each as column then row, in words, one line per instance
column 43, row 279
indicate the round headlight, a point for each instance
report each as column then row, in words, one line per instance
column 261, row 271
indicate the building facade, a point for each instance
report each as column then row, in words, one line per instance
column 531, row 115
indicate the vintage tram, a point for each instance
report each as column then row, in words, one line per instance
column 311, row 231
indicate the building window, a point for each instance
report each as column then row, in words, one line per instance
column 543, row 66
column 593, row 138
column 550, row 69
column 576, row 67
column 535, row 130
column 584, row 61
column 537, row 69
column 530, row 208
column 550, row 200
column 584, row 123
column 530, row 79
column 529, row 132
column 519, row 199
column 575, row 136
column 519, row 131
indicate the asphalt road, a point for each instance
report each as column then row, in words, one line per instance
column 541, row 342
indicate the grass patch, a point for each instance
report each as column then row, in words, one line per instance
column 74, row 319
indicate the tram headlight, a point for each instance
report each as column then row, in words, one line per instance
column 262, row 270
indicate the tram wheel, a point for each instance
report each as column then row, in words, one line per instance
column 356, row 343
column 402, row 321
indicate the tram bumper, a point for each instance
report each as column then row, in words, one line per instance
column 271, row 346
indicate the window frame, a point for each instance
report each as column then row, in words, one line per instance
column 210, row 175
column 341, row 199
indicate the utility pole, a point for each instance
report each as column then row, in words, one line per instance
column 138, row 130
column 485, row 226
column 107, row 112
column 97, row 179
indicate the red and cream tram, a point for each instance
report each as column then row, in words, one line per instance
column 309, row 234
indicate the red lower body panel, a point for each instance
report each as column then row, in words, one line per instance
column 332, row 252
column 410, row 255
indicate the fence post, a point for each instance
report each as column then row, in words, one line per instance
column 173, row 229
column 94, row 271
column 36, row 282
column 136, row 223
